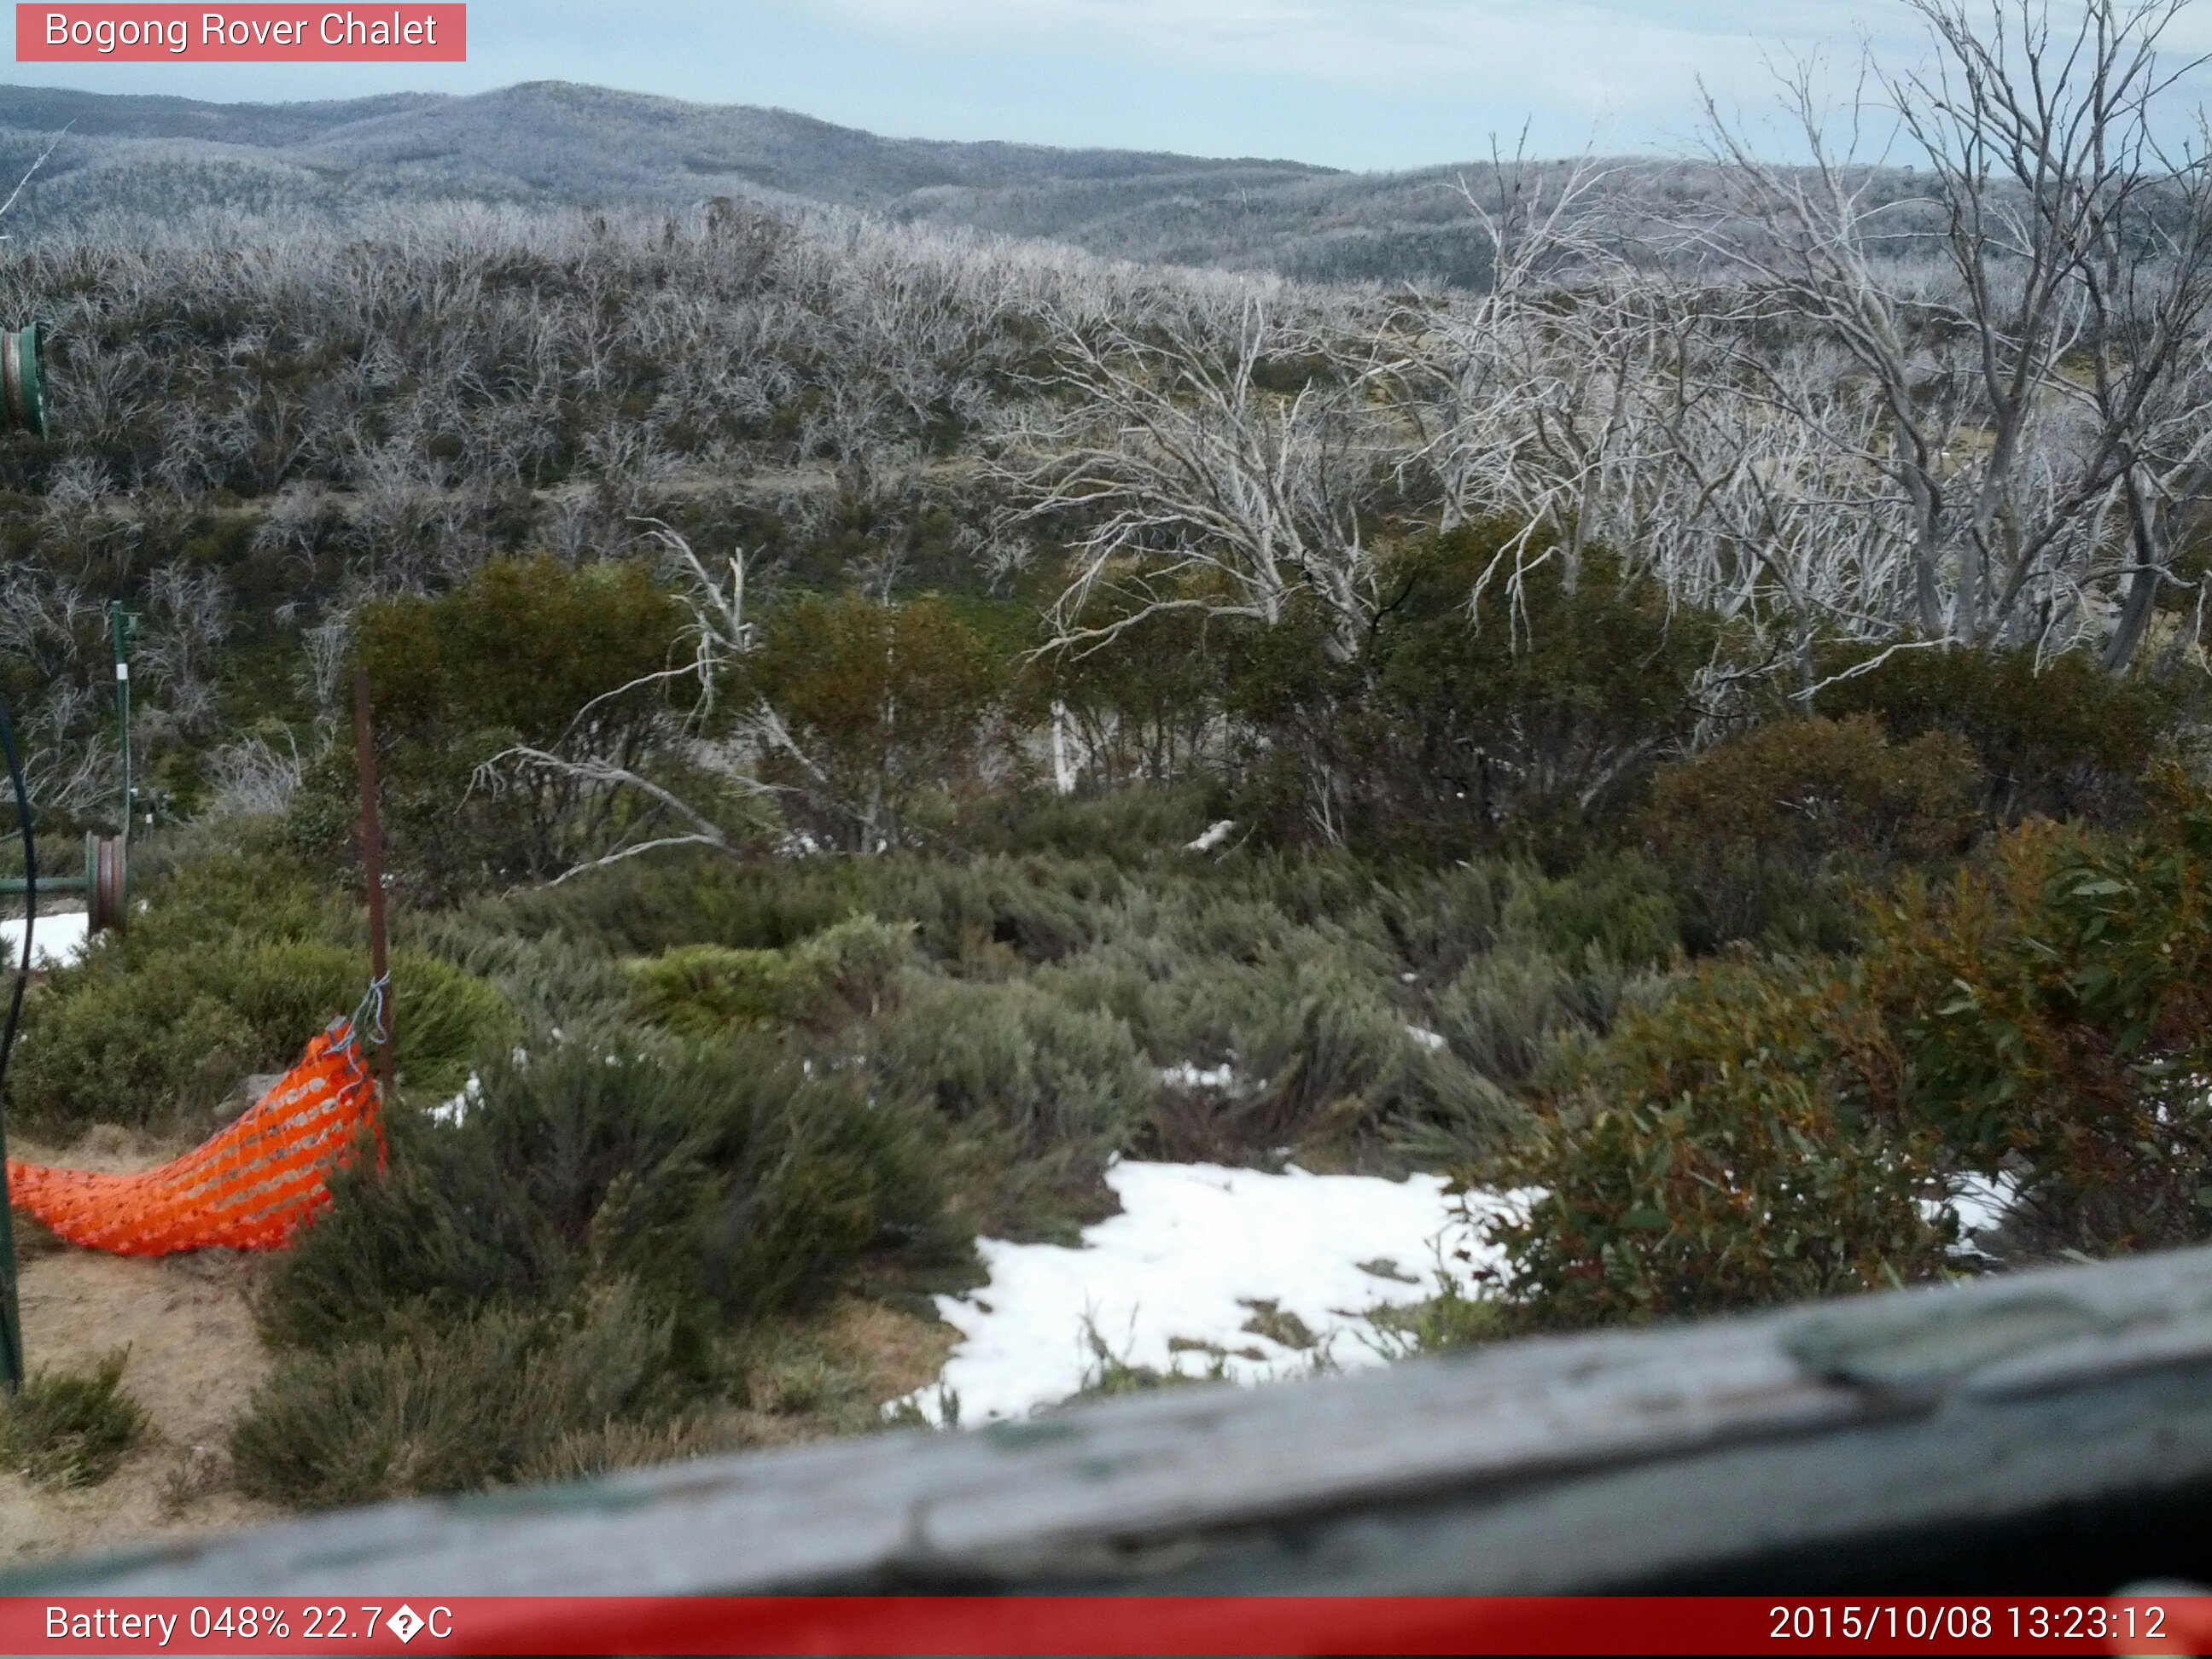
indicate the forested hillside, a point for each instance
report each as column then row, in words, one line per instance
column 551, row 143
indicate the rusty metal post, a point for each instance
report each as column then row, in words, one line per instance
column 372, row 859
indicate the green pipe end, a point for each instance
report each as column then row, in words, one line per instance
column 23, row 380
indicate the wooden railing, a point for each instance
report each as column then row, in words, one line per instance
column 2047, row 1430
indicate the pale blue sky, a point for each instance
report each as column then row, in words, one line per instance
column 1354, row 83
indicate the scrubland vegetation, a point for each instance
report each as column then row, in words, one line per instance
column 875, row 725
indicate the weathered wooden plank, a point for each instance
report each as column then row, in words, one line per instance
column 1559, row 1464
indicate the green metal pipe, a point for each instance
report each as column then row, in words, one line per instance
column 122, row 624
column 23, row 380
column 103, row 881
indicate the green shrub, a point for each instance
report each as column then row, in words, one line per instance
column 1820, row 786
column 1507, row 1013
column 511, row 656
column 1770, row 829
column 2054, row 1008
column 2058, row 736
column 988, row 910
column 1130, row 826
column 886, row 701
column 151, row 1030
column 549, row 979
column 434, row 1406
column 71, row 1428
column 998, row 912
column 705, row 990
column 645, row 906
column 720, row 1179
column 701, row 989
column 1526, row 727
column 1323, row 1057
column 1614, row 909
column 1708, row 1157
column 1437, row 921
column 1043, row 1090
column 1452, row 1320
column 155, row 1048
column 235, row 963
column 1142, row 709
column 1766, row 1132
column 585, row 1453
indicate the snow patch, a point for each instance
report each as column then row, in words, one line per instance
column 57, row 940
column 1200, row 1256
column 1433, row 1041
column 1188, row 1074
column 1216, row 833
column 453, row 1111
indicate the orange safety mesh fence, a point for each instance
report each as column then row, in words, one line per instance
column 251, row 1188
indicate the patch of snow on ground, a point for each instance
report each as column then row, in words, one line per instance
column 57, row 940
column 1433, row 1041
column 1196, row 1247
column 1188, row 1074
column 1215, row 834
column 453, row 1111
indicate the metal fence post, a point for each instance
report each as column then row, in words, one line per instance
column 372, row 859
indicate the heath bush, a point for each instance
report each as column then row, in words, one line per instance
column 71, row 1428
column 703, row 990
column 1767, row 1131
column 720, row 1178
column 154, row 1027
column 1043, row 1090
column 1719, row 1152
column 1768, row 829
column 513, row 655
column 454, row 1406
column 2057, row 736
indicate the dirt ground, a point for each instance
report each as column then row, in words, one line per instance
column 194, row 1359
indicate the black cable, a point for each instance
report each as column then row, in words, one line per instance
column 11, row 1330
column 30, row 894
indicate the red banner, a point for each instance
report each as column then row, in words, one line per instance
column 257, row 33
column 1136, row 1625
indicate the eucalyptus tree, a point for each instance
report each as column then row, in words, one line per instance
column 1217, row 457
column 2021, row 422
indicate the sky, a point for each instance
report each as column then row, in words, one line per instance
column 1368, row 84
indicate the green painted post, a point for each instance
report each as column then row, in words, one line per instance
column 22, row 408
column 122, row 625
column 23, row 380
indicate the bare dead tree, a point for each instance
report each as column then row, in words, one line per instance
column 186, row 618
column 1525, row 401
column 253, row 778
column 2039, row 393
column 1187, row 484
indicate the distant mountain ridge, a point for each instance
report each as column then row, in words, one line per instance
column 551, row 140
column 549, row 143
